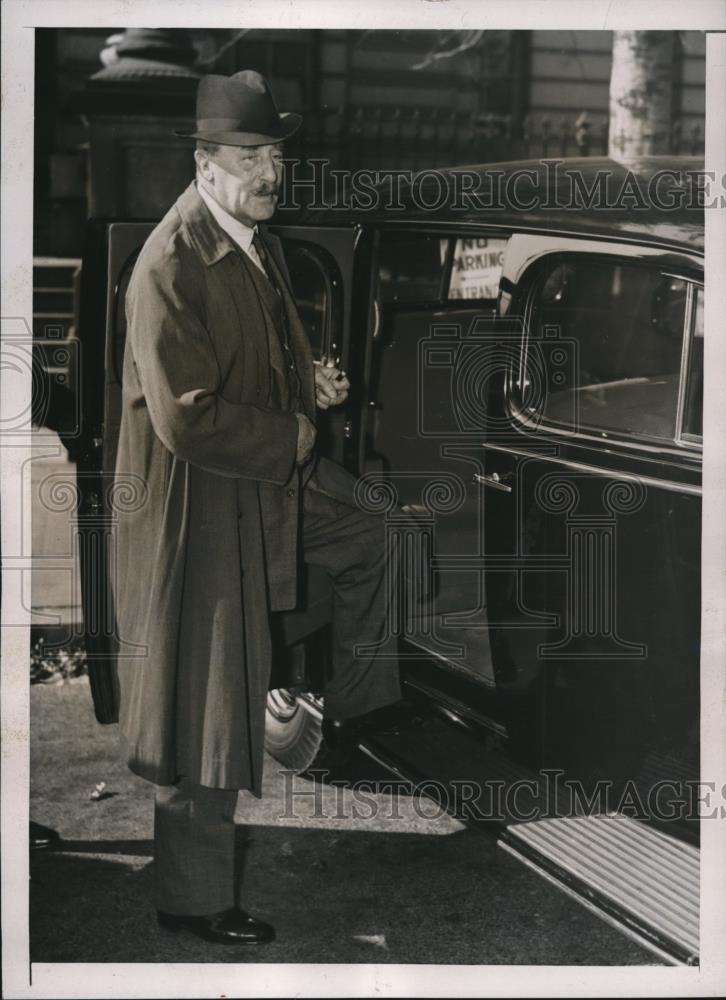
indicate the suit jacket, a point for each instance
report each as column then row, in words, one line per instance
column 208, row 488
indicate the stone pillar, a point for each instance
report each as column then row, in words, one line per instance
column 132, row 106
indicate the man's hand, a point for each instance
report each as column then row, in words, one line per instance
column 305, row 438
column 331, row 384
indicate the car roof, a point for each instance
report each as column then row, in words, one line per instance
column 630, row 198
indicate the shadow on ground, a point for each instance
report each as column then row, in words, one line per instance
column 408, row 889
column 343, row 896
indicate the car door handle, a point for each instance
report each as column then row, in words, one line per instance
column 494, row 480
column 376, row 320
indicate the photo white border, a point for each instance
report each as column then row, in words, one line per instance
column 19, row 18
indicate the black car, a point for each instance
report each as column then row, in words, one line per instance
column 527, row 372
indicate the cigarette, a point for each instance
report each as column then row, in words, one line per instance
column 339, row 377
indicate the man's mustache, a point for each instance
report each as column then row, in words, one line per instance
column 267, row 189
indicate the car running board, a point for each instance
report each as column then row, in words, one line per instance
column 636, row 878
column 642, row 881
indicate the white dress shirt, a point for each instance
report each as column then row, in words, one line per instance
column 236, row 230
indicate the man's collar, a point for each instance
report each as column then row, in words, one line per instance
column 236, row 230
column 210, row 240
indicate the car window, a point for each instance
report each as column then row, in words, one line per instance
column 476, row 268
column 693, row 410
column 604, row 347
column 411, row 268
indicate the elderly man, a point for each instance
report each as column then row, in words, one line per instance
column 219, row 398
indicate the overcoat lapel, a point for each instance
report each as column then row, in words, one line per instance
column 248, row 289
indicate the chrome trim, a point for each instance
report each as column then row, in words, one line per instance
column 472, row 226
column 687, row 446
column 665, row 484
column 311, row 704
column 607, row 248
column 648, row 877
column 620, row 925
column 376, row 320
column 685, row 353
column 282, row 704
column 386, row 763
column 456, row 710
column 526, row 249
column 682, row 277
column 450, row 663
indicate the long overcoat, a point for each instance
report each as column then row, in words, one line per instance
column 210, row 546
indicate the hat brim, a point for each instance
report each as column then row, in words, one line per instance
column 289, row 123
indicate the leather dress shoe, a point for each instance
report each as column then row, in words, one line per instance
column 42, row 837
column 232, row 926
column 337, row 748
column 341, row 737
column 387, row 720
column 345, row 734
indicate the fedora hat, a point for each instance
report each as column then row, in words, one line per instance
column 239, row 110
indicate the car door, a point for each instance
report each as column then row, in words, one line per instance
column 435, row 294
column 320, row 262
column 592, row 515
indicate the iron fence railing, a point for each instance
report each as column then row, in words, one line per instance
column 394, row 138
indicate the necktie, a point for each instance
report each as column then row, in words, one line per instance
column 262, row 252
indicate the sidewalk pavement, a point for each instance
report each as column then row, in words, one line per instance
column 398, row 887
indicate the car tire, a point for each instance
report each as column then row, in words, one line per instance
column 292, row 732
